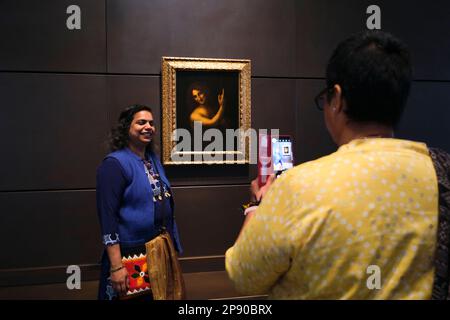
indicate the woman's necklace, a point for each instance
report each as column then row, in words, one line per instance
column 155, row 182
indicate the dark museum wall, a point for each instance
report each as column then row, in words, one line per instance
column 61, row 90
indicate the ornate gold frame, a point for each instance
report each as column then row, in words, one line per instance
column 169, row 67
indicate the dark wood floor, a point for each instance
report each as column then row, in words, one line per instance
column 199, row 286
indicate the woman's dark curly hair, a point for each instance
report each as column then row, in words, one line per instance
column 119, row 135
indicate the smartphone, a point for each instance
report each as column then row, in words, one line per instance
column 282, row 154
column 275, row 155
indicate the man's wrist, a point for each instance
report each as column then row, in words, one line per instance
column 253, row 203
column 250, row 209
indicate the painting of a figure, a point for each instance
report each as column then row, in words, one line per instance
column 205, row 110
column 210, row 98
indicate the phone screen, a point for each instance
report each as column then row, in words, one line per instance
column 282, row 156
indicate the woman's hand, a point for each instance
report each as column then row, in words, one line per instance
column 120, row 281
column 257, row 192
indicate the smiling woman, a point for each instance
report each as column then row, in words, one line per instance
column 141, row 132
column 134, row 203
column 130, row 122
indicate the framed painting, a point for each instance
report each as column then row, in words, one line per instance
column 205, row 111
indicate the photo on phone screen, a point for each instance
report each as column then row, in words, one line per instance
column 282, row 155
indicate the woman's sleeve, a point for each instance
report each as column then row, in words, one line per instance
column 111, row 184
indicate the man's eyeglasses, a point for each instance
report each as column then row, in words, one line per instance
column 320, row 98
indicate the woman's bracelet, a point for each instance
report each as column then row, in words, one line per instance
column 116, row 269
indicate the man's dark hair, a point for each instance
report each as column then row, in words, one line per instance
column 119, row 136
column 374, row 71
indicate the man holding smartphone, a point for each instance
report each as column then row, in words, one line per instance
column 371, row 205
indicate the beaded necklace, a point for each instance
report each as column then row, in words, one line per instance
column 155, row 182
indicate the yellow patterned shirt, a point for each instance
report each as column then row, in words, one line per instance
column 360, row 223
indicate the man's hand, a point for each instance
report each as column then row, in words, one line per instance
column 257, row 195
column 257, row 192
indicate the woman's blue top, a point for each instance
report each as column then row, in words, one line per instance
column 127, row 213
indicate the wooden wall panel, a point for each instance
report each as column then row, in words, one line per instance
column 423, row 25
column 427, row 114
column 313, row 140
column 55, row 126
column 141, row 32
column 44, row 229
column 35, row 36
column 209, row 217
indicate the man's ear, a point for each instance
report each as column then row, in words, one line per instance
column 337, row 103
